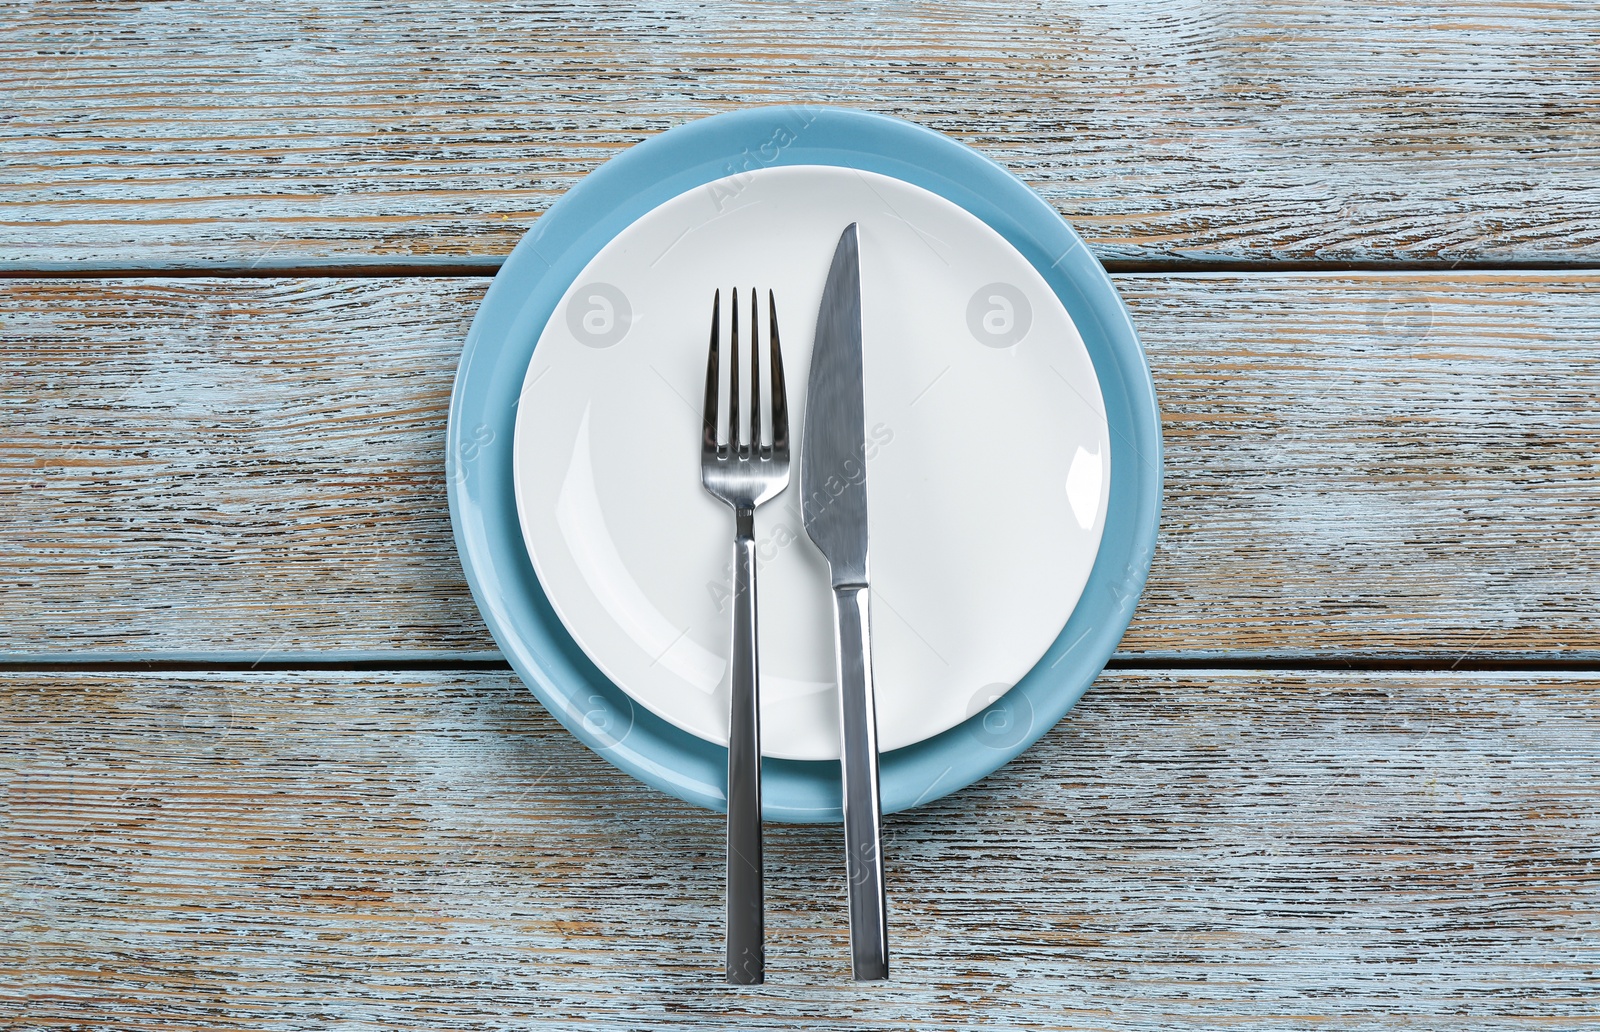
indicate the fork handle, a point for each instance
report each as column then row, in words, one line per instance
column 858, row 758
column 746, row 921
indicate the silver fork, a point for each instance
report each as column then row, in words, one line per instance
column 744, row 473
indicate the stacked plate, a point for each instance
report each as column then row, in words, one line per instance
column 1014, row 456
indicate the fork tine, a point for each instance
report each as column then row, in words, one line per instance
column 755, row 376
column 734, row 428
column 780, row 397
column 708, row 437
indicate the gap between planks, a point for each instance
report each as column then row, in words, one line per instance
column 379, row 661
column 489, row 267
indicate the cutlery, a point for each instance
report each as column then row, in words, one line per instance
column 833, row 482
column 743, row 473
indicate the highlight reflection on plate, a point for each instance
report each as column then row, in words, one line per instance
column 988, row 458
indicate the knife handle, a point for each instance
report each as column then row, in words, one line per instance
column 863, row 840
column 746, row 955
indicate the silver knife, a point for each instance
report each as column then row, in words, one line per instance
column 833, row 484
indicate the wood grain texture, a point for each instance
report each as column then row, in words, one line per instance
column 181, row 446
column 1205, row 849
column 1356, row 465
column 209, row 133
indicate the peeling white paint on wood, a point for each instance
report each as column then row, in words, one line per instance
column 202, row 133
column 1356, row 464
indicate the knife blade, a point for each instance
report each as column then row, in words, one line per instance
column 833, row 473
column 833, row 483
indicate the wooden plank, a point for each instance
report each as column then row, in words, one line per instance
column 232, row 465
column 210, row 133
column 272, row 850
column 1368, row 465
column 1356, row 465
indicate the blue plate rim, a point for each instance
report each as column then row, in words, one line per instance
column 524, row 294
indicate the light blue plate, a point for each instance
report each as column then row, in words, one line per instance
column 525, row 293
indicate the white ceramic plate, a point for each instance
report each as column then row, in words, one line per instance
column 987, row 467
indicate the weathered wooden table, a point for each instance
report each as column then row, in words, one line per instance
column 264, row 769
